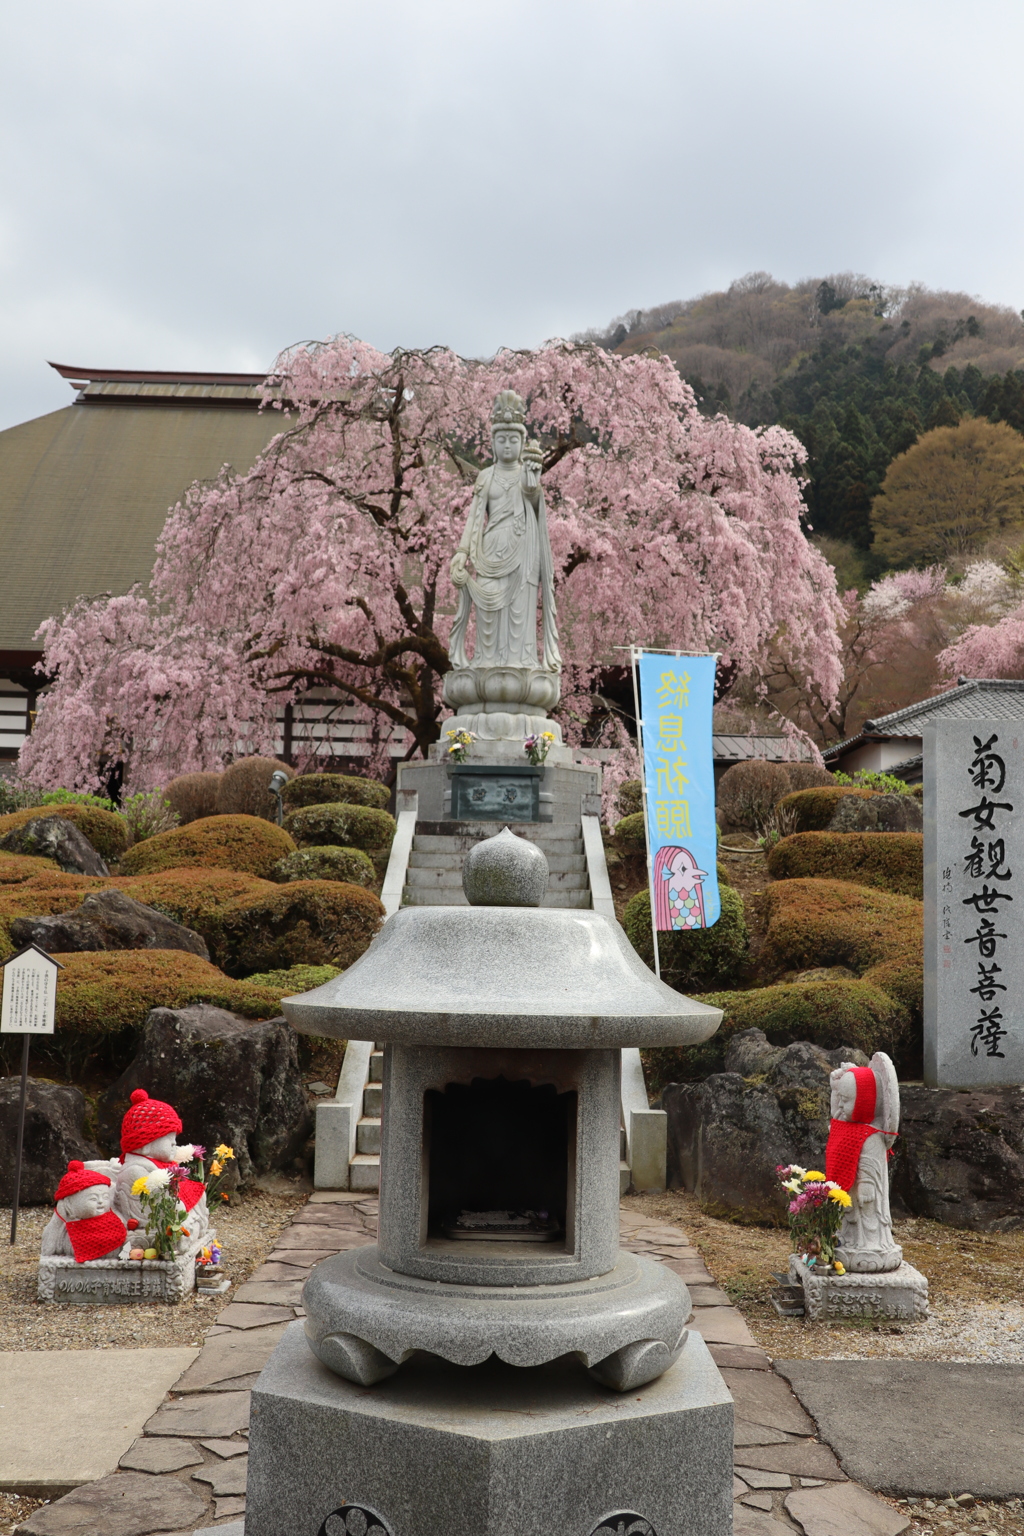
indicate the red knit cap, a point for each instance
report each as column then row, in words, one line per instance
column 77, row 1178
column 146, row 1121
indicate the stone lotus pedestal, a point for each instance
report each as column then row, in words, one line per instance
column 104, row 1282
column 495, row 1365
column 897, row 1293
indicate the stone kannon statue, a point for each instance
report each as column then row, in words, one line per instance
column 148, row 1133
column 503, row 571
column 865, row 1121
column 84, row 1227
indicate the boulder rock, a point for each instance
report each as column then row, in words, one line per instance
column 727, row 1134
column 229, row 1079
column 877, row 813
column 107, row 920
column 54, row 837
column 960, row 1157
column 53, row 1136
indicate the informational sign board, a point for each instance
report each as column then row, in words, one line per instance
column 677, row 695
column 30, row 993
column 974, row 903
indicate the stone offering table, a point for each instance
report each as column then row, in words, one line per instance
column 498, row 1250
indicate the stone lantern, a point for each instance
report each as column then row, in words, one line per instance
column 457, row 1349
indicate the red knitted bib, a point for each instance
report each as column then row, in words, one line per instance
column 189, row 1190
column 96, row 1236
column 842, row 1153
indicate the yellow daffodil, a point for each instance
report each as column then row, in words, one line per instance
column 812, row 1176
column 223, row 1152
column 216, row 1168
column 840, row 1197
column 139, row 1186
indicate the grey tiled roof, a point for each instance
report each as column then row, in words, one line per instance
column 969, row 700
column 772, row 749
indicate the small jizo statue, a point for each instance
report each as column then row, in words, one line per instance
column 148, row 1134
column 84, row 1227
column 865, row 1121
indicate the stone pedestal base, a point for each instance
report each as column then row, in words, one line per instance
column 487, row 1451
column 567, row 791
column 902, row 1292
column 104, row 1282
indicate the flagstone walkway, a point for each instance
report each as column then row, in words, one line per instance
column 188, row 1468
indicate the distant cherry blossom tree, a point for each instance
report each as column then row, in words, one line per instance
column 327, row 563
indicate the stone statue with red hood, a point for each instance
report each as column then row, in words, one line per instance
column 148, row 1133
column 865, row 1122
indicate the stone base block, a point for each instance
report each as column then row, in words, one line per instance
column 901, row 1292
column 103, row 1282
column 568, row 789
column 490, row 1450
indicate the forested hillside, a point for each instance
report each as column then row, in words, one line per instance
column 856, row 370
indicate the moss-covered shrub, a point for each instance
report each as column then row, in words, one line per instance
column 193, row 795
column 243, row 843
column 308, row 922
column 298, row 978
column 813, row 809
column 198, row 898
column 40, row 896
column 16, row 867
column 103, row 991
column 859, row 1013
column 690, row 962
column 890, row 861
column 748, row 792
column 334, row 789
column 328, row 863
column 630, row 798
column 243, row 788
column 830, row 922
column 629, row 833
column 108, row 832
column 341, row 826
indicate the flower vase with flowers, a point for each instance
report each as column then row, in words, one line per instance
column 459, row 743
column 537, row 747
column 816, row 1207
column 164, row 1215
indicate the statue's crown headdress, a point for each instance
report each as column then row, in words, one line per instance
column 509, row 410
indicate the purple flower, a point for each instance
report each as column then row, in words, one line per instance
column 198, row 1151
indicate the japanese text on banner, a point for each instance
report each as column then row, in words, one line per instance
column 676, row 700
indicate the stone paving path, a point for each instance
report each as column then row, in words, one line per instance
column 187, row 1470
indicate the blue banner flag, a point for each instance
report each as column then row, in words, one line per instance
column 677, row 694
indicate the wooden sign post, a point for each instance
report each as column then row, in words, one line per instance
column 29, row 999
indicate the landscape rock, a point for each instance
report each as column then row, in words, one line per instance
column 727, row 1134
column 54, row 837
column 53, row 1136
column 878, row 813
column 124, row 1504
column 960, row 1157
column 229, row 1079
column 107, row 920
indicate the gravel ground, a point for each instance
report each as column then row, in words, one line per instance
column 247, row 1231
column 950, row 1518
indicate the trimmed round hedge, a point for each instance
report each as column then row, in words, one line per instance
column 629, row 833
column 108, row 832
column 308, row 922
column 243, row 843
column 341, row 826
column 889, row 861
column 707, row 957
column 298, row 978
column 334, row 788
column 815, row 923
column 104, row 991
column 193, row 795
column 198, row 898
column 16, row 867
column 630, row 798
column 243, row 789
column 327, row 863
column 813, row 809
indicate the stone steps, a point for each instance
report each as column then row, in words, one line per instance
column 451, row 879
column 558, row 863
column 458, row 846
column 416, row 896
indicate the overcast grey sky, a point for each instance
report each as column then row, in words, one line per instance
column 201, row 184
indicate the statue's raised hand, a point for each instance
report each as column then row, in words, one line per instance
column 457, row 570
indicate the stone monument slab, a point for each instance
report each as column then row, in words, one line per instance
column 488, row 1451
column 974, row 904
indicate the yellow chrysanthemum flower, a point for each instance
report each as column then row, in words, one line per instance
column 139, row 1186
column 223, row 1152
column 814, row 1177
column 840, row 1197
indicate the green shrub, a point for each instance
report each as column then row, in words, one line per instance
column 198, row 898
column 329, row 863
column 342, row 826
column 107, row 831
column 244, row 788
column 148, row 813
column 629, row 833
column 830, row 922
column 707, row 957
column 813, row 809
column 308, row 922
column 104, row 991
column 630, row 797
column 193, row 796
column 884, row 783
column 891, row 861
column 860, row 1013
column 334, row 788
column 748, row 792
column 243, row 843
column 298, row 978
column 73, row 797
